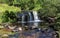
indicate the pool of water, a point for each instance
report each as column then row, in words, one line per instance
column 35, row 34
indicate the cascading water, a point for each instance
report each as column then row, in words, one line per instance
column 30, row 19
column 35, row 16
column 36, row 19
column 23, row 19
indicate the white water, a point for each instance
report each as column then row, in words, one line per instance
column 30, row 16
column 36, row 19
column 35, row 16
column 23, row 19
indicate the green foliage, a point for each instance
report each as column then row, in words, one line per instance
column 27, row 4
column 12, row 16
column 9, row 16
column 24, row 4
column 4, row 7
column 5, row 17
column 51, row 8
column 46, row 8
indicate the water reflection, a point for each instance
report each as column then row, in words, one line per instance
column 36, row 33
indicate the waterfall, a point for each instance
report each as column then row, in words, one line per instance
column 33, row 19
column 23, row 19
column 30, row 16
column 36, row 19
column 30, row 19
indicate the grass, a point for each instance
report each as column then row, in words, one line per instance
column 5, row 31
column 4, row 7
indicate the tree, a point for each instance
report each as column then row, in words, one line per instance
column 5, row 17
column 9, row 16
column 10, row 2
column 12, row 17
column 50, row 8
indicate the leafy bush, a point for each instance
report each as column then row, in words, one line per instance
column 8, row 16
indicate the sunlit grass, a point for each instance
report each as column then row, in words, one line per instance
column 4, row 7
column 5, row 31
